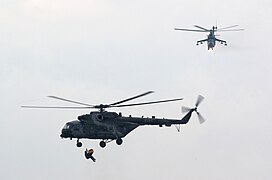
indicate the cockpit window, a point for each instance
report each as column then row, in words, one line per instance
column 68, row 126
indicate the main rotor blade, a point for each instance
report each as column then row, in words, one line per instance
column 230, row 30
column 227, row 27
column 199, row 100
column 56, row 107
column 145, row 103
column 129, row 99
column 194, row 30
column 71, row 101
column 201, row 28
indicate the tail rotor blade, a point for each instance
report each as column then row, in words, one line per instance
column 185, row 109
column 200, row 118
column 199, row 100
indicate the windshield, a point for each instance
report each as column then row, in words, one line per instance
column 67, row 126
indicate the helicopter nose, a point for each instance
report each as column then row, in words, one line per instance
column 65, row 133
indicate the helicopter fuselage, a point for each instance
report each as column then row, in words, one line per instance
column 211, row 40
column 111, row 126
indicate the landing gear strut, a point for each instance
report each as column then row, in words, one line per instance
column 78, row 144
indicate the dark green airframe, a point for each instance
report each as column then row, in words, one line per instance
column 109, row 126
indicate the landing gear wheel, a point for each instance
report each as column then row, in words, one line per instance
column 119, row 141
column 79, row 144
column 102, row 144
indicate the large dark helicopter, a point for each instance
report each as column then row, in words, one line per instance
column 109, row 126
column 211, row 38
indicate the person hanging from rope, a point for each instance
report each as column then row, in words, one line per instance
column 89, row 154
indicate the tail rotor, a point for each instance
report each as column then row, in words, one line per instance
column 198, row 101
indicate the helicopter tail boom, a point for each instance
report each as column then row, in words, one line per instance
column 187, row 117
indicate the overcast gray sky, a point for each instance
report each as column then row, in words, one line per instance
column 103, row 51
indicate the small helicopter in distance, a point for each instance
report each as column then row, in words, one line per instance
column 109, row 126
column 211, row 38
